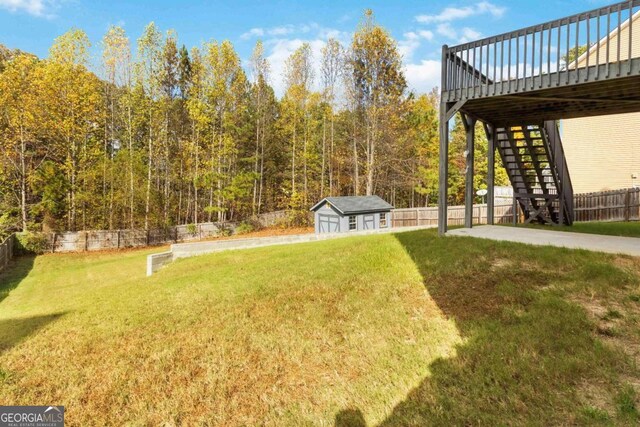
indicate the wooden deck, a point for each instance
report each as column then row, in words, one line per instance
column 522, row 83
column 583, row 92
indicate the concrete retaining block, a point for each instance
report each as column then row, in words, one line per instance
column 185, row 250
column 156, row 261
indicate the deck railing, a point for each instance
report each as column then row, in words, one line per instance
column 575, row 49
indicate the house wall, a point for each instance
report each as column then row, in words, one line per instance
column 604, row 152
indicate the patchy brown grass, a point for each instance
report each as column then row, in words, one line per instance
column 380, row 330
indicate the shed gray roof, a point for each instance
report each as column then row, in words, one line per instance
column 355, row 204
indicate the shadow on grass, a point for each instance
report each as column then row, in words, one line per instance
column 18, row 269
column 13, row 331
column 527, row 349
column 350, row 418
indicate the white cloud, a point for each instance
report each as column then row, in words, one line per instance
column 408, row 45
column 464, row 35
column 254, row 32
column 424, row 76
column 284, row 30
column 447, row 15
column 469, row 34
column 411, row 41
column 281, row 49
column 450, row 14
column 38, row 8
column 447, row 31
column 280, row 31
column 492, row 9
column 281, row 41
column 426, row 34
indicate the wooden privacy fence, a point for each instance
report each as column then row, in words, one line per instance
column 616, row 205
column 413, row 217
column 6, row 251
column 78, row 241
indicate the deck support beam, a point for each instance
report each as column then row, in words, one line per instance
column 491, row 169
column 443, row 178
column 469, row 193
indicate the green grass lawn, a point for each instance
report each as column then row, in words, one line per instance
column 405, row 329
column 626, row 229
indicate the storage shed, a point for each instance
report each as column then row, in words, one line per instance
column 351, row 213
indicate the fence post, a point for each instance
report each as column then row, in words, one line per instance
column 627, row 205
column 53, row 242
column 147, row 231
column 86, row 240
column 117, row 239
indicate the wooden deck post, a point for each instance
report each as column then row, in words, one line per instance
column 470, row 127
column 491, row 168
column 443, row 171
column 443, row 178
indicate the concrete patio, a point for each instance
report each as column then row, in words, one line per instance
column 590, row 242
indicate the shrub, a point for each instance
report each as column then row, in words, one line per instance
column 224, row 230
column 191, row 228
column 244, row 228
column 31, row 243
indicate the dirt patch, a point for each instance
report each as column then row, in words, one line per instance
column 501, row 263
column 627, row 263
column 595, row 308
column 596, row 395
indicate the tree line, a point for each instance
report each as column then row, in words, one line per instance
column 166, row 135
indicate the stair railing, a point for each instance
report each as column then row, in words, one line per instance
column 559, row 162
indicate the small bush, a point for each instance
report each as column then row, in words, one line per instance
column 192, row 229
column 244, row 228
column 32, row 243
column 224, row 230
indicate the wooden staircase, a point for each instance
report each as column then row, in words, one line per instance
column 536, row 166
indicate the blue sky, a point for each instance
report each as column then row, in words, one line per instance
column 419, row 26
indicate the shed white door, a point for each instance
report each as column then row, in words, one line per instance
column 329, row 224
column 369, row 222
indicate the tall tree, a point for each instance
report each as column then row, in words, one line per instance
column 148, row 80
column 379, row 86
column 227, row 90
column 116, row 57
column 20, row 115
column 299, row 78
column 200, row 123
column 332, row 61
column 73, row 101
column 261, row 100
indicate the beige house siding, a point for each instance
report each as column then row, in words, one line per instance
column 603, row 153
